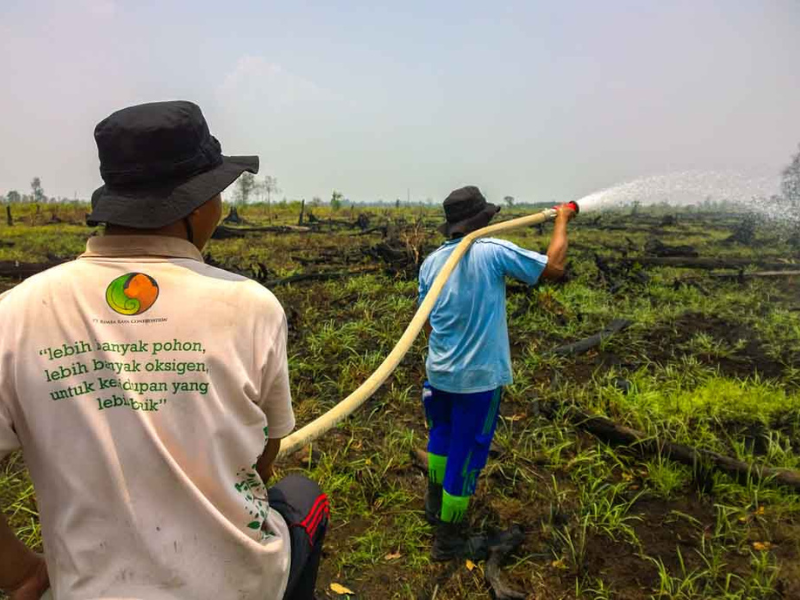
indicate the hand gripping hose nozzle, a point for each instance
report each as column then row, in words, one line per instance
column 572, row 204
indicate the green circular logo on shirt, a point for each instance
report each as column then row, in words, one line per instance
column 132, row 294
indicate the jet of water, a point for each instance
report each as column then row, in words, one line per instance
column 751, row 192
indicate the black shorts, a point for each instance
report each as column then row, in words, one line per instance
column 306, row 511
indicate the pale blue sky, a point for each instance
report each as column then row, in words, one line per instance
column 538, row 100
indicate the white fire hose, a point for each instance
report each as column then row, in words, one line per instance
column 348, row 406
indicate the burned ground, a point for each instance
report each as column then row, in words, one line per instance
column 707, row 361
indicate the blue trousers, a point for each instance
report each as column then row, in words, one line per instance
column 461, row 427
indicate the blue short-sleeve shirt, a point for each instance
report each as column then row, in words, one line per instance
column 468, row 349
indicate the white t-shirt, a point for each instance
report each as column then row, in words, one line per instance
column 141, row 385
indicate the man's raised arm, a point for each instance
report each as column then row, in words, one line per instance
column 557, row 250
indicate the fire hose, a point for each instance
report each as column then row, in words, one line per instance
column 349, row 405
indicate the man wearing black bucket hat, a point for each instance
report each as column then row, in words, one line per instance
column 469, row 359
column 149, row 393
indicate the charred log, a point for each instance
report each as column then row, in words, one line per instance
column 655, row 247
column 593, row 341
column 317, row 276
column 742, row 275
column 233, row 217
column 700, row 263
column 362, row 222
column 226, row 233
column 646, row 445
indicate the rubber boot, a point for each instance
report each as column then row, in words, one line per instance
column 452, row 540
column 433, row 503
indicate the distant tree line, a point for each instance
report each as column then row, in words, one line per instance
column 248, row 188
column 36, row 195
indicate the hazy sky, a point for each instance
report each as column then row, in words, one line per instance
column 540, row 100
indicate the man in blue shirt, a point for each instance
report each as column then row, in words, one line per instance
column 469, row 358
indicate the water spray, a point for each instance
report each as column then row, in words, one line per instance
column 349, row 405
column 747, row 189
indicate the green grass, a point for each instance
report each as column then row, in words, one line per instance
column 594, row 513
column 18, row 501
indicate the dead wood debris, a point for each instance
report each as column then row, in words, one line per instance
column 584, row 345
column 609, row 431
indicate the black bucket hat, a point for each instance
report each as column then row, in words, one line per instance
column 159, row 162
column 466, row 210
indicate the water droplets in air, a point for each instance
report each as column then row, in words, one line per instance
column 751, row 192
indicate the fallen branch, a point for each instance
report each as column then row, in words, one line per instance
column 225, row 233
column 329, row 258
column 274, row 229
column 320, row 276
column 499, row 549
column 587, row 344
column 380, row 228
column 655, row 247
column 609, row 431
column 699, row 263
column 756, row 274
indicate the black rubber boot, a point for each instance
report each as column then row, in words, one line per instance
column 452, row 540
column 433, row 502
